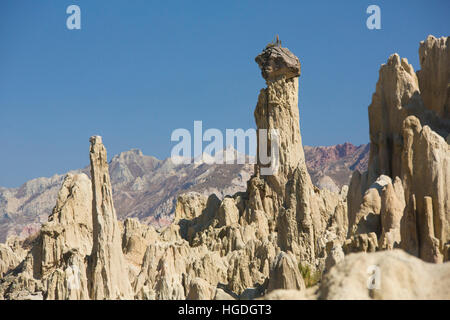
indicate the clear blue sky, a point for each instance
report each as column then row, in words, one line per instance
column 139, row 69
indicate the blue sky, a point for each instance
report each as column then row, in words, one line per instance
column 139, row 69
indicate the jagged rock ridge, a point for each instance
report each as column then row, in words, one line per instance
column 146, row 188
column 143, row 187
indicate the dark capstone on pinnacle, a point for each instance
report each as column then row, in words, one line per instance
column 276, row 61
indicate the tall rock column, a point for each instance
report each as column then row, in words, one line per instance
column 397, row 84
column 108, row 275
column 277, row 109
column 277, row 113
column 300, row 213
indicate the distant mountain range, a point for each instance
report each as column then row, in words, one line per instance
column 331, row 167
column 147, row 188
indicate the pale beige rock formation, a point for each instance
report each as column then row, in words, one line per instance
column 70, row 224
column 409, row 125
column 277, row 109
column 189, row 206
column 135, row 239
column 108, row 274
column 365, row 242
column 200, row 289
column 392, row 209
column 429, row 244
column 434, row 57
column 228, row 213
column 55, row 267
column 169, row 267
column 8, row 259
column 335, row 254
column 426, row 163
column 66, row 240
column 385, row 275
column 285, row 273
column 299, row 212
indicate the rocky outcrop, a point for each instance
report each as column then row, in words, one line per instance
column 107, row 268
column 335, row 254
column 426, row 163
column 55, row 266
column 285, row 273
column 171, row 271
column 434, row 57
column 135, row 239
column 392, row 209
column 65, row 241
column 8, row 259
column 301, row 213
column 78, row 252
column 409, row 126
column 70, row 224
column 277, row 109
column 385, row 275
